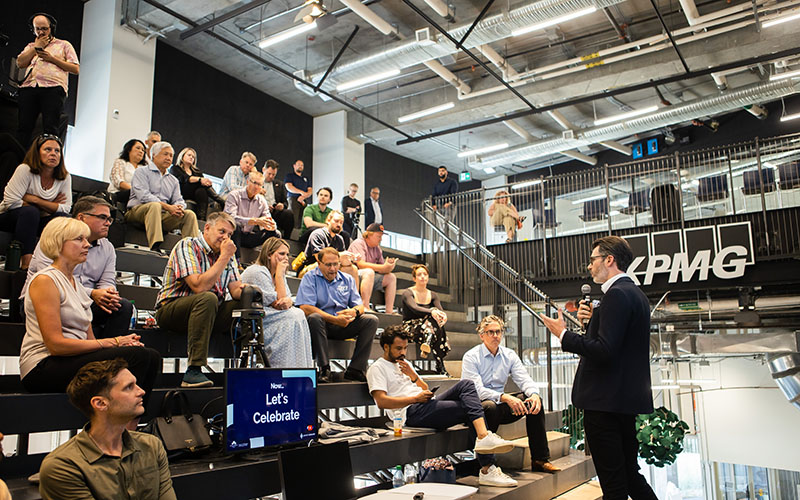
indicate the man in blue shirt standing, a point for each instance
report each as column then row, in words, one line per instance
column 333, row 309
column 298, row 190
column 489, row 365
column 444, row 187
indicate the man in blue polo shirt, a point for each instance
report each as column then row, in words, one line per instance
column 298, row 190
column 333, row 309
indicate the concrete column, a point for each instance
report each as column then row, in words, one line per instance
column 338, row 161
column 115, row 91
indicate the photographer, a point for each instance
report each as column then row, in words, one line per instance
column 351, row 208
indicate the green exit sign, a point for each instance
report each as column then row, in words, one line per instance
column 465, row 177
column 689, row 306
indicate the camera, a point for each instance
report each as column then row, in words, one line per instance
column 248, row 335
column 353, row 216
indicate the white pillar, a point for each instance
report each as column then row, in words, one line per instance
column 338, row 161
column 115, row 90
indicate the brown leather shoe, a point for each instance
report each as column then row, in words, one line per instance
column 544, row 466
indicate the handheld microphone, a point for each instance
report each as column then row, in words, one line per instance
column 586, row 291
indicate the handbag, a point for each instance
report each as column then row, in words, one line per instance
column 184, row 432
column 437, row 470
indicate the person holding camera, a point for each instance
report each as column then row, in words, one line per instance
column 351, row 208
column 489, row 365
column 49, row 61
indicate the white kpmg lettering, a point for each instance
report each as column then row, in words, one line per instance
column 738, row 264
column 723, row 266
column 680, row 264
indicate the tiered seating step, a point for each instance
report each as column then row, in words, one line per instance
column 587, row 491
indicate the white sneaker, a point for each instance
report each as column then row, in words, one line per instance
column 496, row 477
column 493, row 443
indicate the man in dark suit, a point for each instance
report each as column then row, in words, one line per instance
column 373, row 210
column 612, row 384
column 276, row 198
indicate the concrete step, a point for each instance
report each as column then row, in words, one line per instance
column 576, row 469
column 587, row 491
column 520, row 457
column 514, row 430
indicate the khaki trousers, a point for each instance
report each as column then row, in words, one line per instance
column 156, row 220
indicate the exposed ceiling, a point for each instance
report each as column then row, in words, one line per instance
column 622, row 43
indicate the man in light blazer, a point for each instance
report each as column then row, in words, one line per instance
column 612, row 383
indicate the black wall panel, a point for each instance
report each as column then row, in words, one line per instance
column 198, row 106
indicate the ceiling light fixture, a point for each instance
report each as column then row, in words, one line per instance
column 781, row 19
column 554, row 21
column 285, row 35
column 783, row 76
column 625, row 116
column 310, row 11
column 489, row 170
column 790, row 117
column 666, row 387
column 487, row 149
column 522, row 185
column 367, row 79
column 426, row 112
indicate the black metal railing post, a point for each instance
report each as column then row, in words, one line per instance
column 761, row 190
column 548, row 311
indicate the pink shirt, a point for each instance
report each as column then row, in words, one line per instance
column 46, row 74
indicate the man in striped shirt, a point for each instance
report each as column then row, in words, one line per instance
column 199, row 274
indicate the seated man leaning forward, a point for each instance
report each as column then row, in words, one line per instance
column 199, row 273
column 374, row 271
column 251, row 213
column 397, row 389
column 106, row 460
column 156, row 199
column 333, row 309
column 489, row 365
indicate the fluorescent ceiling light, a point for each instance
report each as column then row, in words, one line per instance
column 697, row 381
column 367, row 79
column 554, row 21
column 783, row 76
column 526, row 184
column 487, row 149
column 285, row 35
column 426, row 112
column 591, row 198
column 790, row 117
column 625, row 116
column 489, row 170
column 781, row 19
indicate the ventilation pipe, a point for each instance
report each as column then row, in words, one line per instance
column 441, row 8
column 372, row 18
column 529, row 138
column 448, row 76
column 785, row 369
column 509, row 73
column 567, row 125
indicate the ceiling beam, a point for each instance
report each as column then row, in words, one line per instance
column 221, row 19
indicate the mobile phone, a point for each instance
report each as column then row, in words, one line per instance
column 434, row 389
column 39, row 49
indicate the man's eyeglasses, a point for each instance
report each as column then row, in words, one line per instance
column 259, row 184
column 493, row 333
column 103, row 217
column 330, row 264
column 593, row 257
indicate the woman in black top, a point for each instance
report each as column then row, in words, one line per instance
column 194, row 186
column 424, row 319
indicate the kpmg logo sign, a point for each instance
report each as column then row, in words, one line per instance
column 692, row 254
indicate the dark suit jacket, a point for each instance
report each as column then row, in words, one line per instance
column 614, row 371
column 280, row 193
column 369, row 213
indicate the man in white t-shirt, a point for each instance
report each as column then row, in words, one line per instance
column 396, row 388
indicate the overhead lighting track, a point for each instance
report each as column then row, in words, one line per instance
column 782, row 19
column 554, row 21
column 360, row 82
column 783, row 76
column 426, row 112
column 287, row 34
column 487, row 149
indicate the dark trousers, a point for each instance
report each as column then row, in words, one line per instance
column 47, row 101
column 497, row 414
column 297, row 210
column 362, row 329
column 284, row 220
column 457, row 405
column 26, row 223
column 250, row 240
column 54, row 373
column 612, row 439
column 105, row 325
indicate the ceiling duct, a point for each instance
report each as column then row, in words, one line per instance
column 409, row 53
column 785, row 369
column 673, row 115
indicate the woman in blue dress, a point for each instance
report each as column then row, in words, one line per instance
column 285, row 327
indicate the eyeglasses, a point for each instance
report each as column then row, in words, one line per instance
column 45, row 28
column 259, row 184
column 330, row 264
column 103, row 217
column 593, row 257
column 493, row 333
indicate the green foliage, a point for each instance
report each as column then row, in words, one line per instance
column 660, row 435
column 572, row 424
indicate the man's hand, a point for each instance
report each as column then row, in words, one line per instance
column 42, row 41
column 205, row 182
column 406, row 369
column 340, row 321
column 585, row 312
column 227, row 249
column 350, row 314
column 174, row 210
column 513, row 402
column 268, row 224
column 448, row 204
column 423, row 397
column 106, row 299
column 46, row 56
column 279, row 207
column 535, row 405
column 556, row 326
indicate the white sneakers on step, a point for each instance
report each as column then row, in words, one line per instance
column 496, row 477
column 492, row 443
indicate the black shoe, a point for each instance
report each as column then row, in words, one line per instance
column 324, row 376
column 355, row 375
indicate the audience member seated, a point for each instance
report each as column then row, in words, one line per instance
column 106, row 460
column 504, row 213
column 152, row 137
column 330, row 300
column 58, row 319
column 373, row 270
column 192, row 301
column 275, row 193
column 373, row 211
column 399, row 391
column 351, row 207
column 299, row 191
column 236, row 175
column 315, row 215
column 111, row 314
column 251, row 213
column 488, row 366
column 39, row 190
column 130, row 158
column 193, row 185
column 329, row 236
column 285, row 327
column 424, row 318
column 156, row 199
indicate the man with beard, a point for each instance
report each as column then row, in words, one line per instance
column 399, row 391
column 443, row 194
column 315, row 215
column 330, row 236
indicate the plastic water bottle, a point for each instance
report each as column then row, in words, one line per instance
column 134, row 315
column 397, row 477
column 397, row 425
column 410, row 474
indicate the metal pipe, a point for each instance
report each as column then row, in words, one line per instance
column 373, row 19
column 669, row 34
column 336, row 59
column 221, row 19
column 448, row 76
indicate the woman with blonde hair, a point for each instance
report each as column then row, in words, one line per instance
column 424, row 319
column 194, row 186
column 504, row 213
column 58, row 320
column 285, row 327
